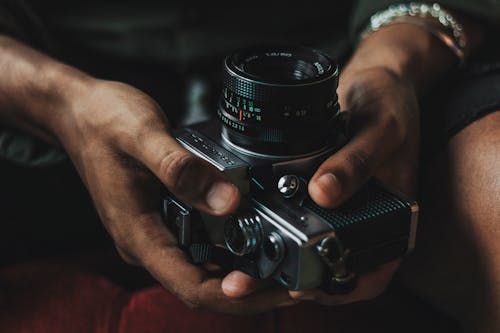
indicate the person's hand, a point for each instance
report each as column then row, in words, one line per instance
column 384, row 128
column 119, row 141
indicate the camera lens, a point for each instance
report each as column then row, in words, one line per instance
column 243, row 234
column 278, row 100
column 276, row 69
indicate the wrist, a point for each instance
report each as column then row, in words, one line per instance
column 66, row 89
column 36, row 91
column 407, row 51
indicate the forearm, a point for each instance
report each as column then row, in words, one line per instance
column 35, row 90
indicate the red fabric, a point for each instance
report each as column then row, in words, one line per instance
column 63, row 296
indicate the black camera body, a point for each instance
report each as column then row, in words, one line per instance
column 269, row 141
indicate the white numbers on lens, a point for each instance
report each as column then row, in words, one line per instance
column 319, row 67
column 279, row 54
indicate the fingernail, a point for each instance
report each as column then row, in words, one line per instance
column 330, row 185
column 220, row 196
column 302, row 295
column 231, row 289
column 229, row 286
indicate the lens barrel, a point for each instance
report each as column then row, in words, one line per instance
column 278, row 100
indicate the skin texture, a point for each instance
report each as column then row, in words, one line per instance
column 379, row 88
column 457, row 267
column 118, row 140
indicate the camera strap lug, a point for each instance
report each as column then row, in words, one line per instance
column 338, row 279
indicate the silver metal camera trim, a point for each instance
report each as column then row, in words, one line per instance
column 414, row 209
column 306, row 246
column 414, row 214
column 305, row 272
column 269, row 156
column 269, row 215
column 201, row 154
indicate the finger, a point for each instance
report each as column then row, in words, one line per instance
column 238, row 284
column 187, row 176
column 127, row 201
column 344, row 172
column 370, row 285
column 142, row 237
column 127, row 257
column 166, row 262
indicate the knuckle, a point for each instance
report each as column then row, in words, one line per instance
column 127, row 257
column 120, row 235
column 360, row 163
column 150, row 121
column 110, row 218
column 174, row 167
column 393, row 126
column 193, row 303
column 131, row 234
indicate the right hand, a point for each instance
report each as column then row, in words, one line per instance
column 118, row 139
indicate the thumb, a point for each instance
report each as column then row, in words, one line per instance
column 341, row 175
column 190, row 178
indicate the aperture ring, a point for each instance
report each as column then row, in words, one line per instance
column 245, row 111
column 275, row 135
column 271, row 135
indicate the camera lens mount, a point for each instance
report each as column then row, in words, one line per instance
column 279, row 99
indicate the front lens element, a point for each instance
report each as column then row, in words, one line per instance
column 277, row 69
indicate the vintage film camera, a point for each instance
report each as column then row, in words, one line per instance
column 278, row 120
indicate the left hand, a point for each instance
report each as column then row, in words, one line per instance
column 384, row 128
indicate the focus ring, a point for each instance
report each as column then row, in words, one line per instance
column 264, row 92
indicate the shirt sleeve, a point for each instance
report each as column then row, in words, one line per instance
column 488, row 10
column 19, row 21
